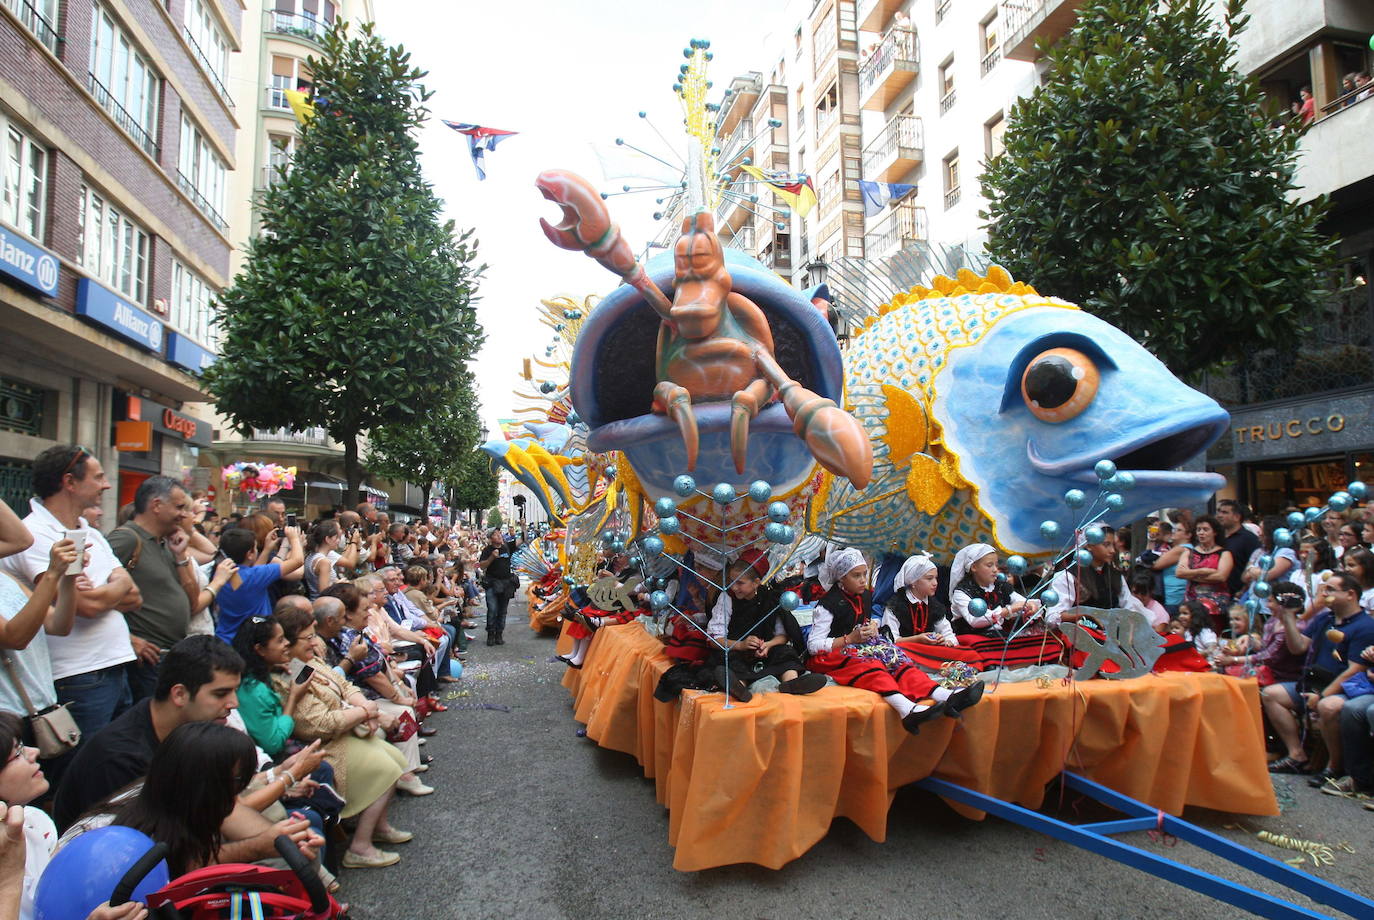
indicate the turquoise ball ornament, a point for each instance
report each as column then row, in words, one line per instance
column 547, row 387
column 1341, row 501
column 1105, row 469
column 1049, row 597
column 1295, row 520
column 608, row 537
column 789, row 601
column 1252, row 607
column 1094, row 535
column 1260, row 589
column 1074, row 498
column 723, row 493
column 658, row 600
column 669, row 526
column 574, row 419
column 618, row 546
column 665, row 507
column 611, row 472
column 774, row 532
column 1017, row 565
column 978, row 607
column 1049, row 530
column 1125, row 481
column 760, row 491
column 789, row 533
column 1358, row 490
column 1115, row 501
column 1083, row 557
column 652, row 546
column 779, row 512
column 1001, row 578
column 1283, row 537
column 569, row 580
column 684, row 485
column 1266, row 562
column 1311, row 514
column 635, row 561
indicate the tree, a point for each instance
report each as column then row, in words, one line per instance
column 1144, row 181
column 494, row 518
column 354, row 311
column 434, row 447
column 475, row 487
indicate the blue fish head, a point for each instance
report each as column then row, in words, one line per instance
column 1032, row 406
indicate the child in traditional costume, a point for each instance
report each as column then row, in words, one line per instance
column 974, row 575
column 913, row 612
column 760, row 638
column 844, row 645
column 614, row 600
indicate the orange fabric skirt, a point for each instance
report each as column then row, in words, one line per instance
column 545, row 612
column 761, row 781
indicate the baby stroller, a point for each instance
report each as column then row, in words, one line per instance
column 234, row 891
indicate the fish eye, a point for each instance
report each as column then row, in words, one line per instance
column 1059, row 384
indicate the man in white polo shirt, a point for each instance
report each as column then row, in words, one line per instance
column 88, row 665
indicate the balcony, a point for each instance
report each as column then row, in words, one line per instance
column 947, row 101
column 737, row 145
column 1326, row 163
column 874, row 15
column 990, row 61
column 127, row 122
column 906, row 223
column 889, row 70
column 942, row 10
column 207, row 68
column 36, row 23
column 744, row 92
column 1027, row 21
column 898, row 149
column 300, row 26
column 743, row 240
column 188, row 188
column 733, row 208
column 275, row 99
column 777, row 255
column 315, row 437
column 952, row 197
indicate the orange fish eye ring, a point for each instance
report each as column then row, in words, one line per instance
column 1058, row 384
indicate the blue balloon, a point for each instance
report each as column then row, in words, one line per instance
column 774, row 532
column 1083, row 557
column 1260, row 589
column 684, row 485
column 723, row 493
column 1049, row 530
column 1105, row 469
column 1094, row 535
column 658, row 600
column 652, row 546
column 1075, row 498
column 1266, row 562
column 1125, row 481
column 1049, row 597
column 1115, row 501
column 1283, row 536
column 789, row 601
column 1341, row 501
column 778, row 511
column 760, row 491
column 1296, row 520
column 82, row 874
column 978, row 607
column 665, row 507
column 1358, row 490
column 669, row 526
column 1017, row 565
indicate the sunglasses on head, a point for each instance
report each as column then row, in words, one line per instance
column 76, row 458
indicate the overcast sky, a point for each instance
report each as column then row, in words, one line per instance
column 565, row 74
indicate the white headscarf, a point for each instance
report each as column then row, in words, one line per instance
column 838, row 564
column 912, row 569
column 965, row 559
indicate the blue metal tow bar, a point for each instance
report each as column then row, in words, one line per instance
column 1094, row 838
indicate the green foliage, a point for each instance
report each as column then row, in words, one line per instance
column 431, row 448
column 354, row 311
column 476, row 486
column 1144, row 182
column 494, row 518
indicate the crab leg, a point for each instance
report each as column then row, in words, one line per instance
column 834, row 437
column 676, row 402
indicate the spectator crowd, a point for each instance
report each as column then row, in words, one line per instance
column 220, row 683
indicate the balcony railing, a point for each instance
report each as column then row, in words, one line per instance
column 899, row 144
column 743, row 240
column 301, row 26
column 952, row 197
column 942, row 10
column 276, row 99
column 36, row 23
column 209, row 210
column 1346, row 100
column 1026, row 21
column 824, row 119
column 990, row 60
column 777, row 256
column 893, row 62
column 903, row 224
column 273, row 174
column 947, row 102
column 207, row 68
column 315, row 436
column 122, row 117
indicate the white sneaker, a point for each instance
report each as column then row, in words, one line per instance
column 414, row 787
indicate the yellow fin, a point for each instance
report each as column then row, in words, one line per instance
column 968, row 280
column 926, row 484
column 907, row 429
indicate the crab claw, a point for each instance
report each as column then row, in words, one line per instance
column 559, row 235
column 586, row 222
column 677, row 403
column 834, row 437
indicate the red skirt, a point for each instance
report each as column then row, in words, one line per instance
column 608, row 618
column 1025, row 650
column 686, row 644
column 868, row 674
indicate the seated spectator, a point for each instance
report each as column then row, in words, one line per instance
column 1359, row 562
column 1141, row 583
column 21, row 782
column 1233, row 653
column 252, row 598
column 1273, row 662
column 321, row 553
column 268, row 717
column 1192, row 623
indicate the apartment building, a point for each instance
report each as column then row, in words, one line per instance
column 119, row 138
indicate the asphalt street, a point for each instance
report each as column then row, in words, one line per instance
column 531, row 820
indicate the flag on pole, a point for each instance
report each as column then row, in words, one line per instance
column 300, row 104
column 796, row 190
column 877, row 195
column 480, row 140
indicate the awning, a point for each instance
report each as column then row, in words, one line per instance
column 324, row 481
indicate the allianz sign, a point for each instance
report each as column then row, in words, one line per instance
column 30, row 265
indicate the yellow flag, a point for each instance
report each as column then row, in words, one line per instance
column 800, row 196
column 300, row 104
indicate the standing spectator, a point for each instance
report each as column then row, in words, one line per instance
column 495, row 565
column 252, row 598
column 1330, row 528
column 1350, row 535
column 276, row 510
column 1180, row 537
column 1236, row 539
column 88, row 664
column 1306, row 106
column 94, row 515
column 155, row 549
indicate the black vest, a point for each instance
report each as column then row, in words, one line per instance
column 845, row 609
column 745, row 616
column 914, row 619
column 1097, row 587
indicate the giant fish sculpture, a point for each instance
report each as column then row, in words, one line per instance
column 985, row 402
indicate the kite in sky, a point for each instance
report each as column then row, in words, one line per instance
column 480, row 140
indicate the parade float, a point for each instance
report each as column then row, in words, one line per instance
column 704, row 408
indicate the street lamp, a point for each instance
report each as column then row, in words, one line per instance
column 818, row 273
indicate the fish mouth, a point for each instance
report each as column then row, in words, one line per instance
column 1150, row 457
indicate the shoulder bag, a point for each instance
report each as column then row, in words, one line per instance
column 55, row 732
